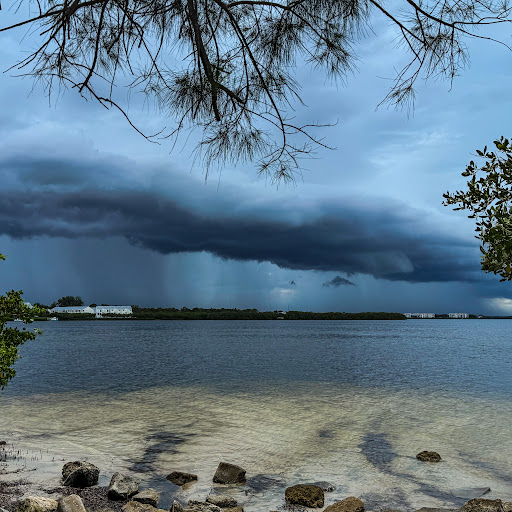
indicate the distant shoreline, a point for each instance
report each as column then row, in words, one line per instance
column 262, row 316
column 227, row 314
column 249, row 314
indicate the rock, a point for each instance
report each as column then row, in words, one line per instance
column 135, row 506
column 80, row 474
column 305, row 495
column 221, row 501
column 71, row 503
column 262, row 483
column 122, row 487
column 148, row 497
column 233, row 509
column 176, row 507
column 350, row 504
column 325, row 486
column 181, row 478
column 201, row 506
column 229, row 474
column 426, row 456
column 482, row 505
column 435, row 509
column 37, row 504
column 507, row 506
column 470, row 492
column 3, row 443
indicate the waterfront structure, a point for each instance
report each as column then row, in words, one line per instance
column 76, row 310
column 98, row 311
column 420, row 315
column 458, row 315
column 112, row 310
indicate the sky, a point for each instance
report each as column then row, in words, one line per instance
column 88, row 207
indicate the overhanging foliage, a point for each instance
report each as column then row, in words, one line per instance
column 227, row 68
column 489, row 199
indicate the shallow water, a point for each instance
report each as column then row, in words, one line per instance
column 346, row 402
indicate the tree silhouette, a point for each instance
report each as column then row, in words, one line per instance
column 226, row 67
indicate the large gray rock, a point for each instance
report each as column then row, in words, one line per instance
column 262, row 483
column 470, row 492
column 229, row 474
column 201, row 506
column 71, row 503
column 181, row 478
column 80, row 474
column 37, row 504
column 427, row 456
column 306, row 495
column 482, row 505
column 147, row 497
column 122, row 487
column 436, row 509
column 222, row 501
column 350, row 504
column 135, row 506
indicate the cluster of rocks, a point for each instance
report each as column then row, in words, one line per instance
column 125, row 488
column 226, row 474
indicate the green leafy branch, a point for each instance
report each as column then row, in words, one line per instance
column 488, row 198
column 13, row 307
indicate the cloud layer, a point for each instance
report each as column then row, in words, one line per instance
column 98, row 197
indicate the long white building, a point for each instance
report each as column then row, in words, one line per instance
column 420, row 315
column 99, row 311
column 72, row 309
column 458, row 315
column 113, row 310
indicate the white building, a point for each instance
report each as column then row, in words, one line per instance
column 458, row 315
column 72, row 309
column 112, row 310
column 420, row 315
column 99, row 311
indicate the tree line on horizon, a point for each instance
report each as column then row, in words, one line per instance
column 253, row 314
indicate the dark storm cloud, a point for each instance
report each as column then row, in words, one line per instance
column 384, row 240
column 338, row 281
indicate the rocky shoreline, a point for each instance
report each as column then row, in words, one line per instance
column 79, row 492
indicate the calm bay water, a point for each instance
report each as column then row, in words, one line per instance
column 348, row 402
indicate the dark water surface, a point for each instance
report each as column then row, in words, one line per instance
column 122, row 356
column 348, row 402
